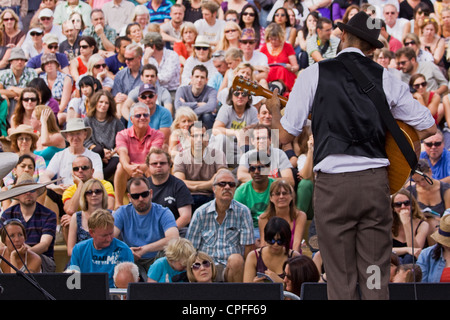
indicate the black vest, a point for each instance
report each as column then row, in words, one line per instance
column 344, row 119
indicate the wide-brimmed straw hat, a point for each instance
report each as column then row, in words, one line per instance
column 76, row 124
column 364, row 27
column 442, row 235
column 23, row 129
column 25, row 183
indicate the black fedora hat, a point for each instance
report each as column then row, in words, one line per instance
column 364, row 27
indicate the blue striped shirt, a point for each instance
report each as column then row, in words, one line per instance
column 221, row 240
column 160, row 14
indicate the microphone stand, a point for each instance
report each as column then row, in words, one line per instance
column 28, row 279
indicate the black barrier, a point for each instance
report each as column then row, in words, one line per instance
column 61, row 286
column 205, row 291
column 397, row 291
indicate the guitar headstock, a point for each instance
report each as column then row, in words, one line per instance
column 254, row 89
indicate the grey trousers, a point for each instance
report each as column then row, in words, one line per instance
column 353, row 221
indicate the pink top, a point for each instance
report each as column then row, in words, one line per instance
column 138, row 149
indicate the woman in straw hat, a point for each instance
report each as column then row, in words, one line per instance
column 24, row 141
column 435, row 260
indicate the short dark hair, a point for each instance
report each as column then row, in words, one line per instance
column 119, row 40
column 137, row 181
column 407, row 52
column 201, row 68
column 149, row 66
column 321, row 21
column 280, row 226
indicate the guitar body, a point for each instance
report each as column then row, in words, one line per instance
column 398, row 171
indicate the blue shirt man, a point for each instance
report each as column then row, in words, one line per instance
column 438, row 156
column 146, row 227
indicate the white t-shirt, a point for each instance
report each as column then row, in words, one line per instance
column 212, row 33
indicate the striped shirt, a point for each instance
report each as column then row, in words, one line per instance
column 42, row 222
column 161, row 13
column 221, row 240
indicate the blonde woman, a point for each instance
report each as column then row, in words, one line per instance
column 172, row 267
column 97, row 68
column 230, row 36
column 185, row 47
column 180, row 137
column 200, row 268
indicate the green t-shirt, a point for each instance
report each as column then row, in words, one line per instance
column 257, row 202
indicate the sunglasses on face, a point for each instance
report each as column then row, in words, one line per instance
column 277, row 241
column 53, row 46
column 29, row 99
column 222, row 184
column 84, row 47
column 83, row 168
column 129, row 59
column 141, row 115
column 280, row 15
column 410, row 43
column 282, row 193
column 46, row 18
column 228, row 31
column 197, row 265
column 418, row 85
column 251, row 14
column 96, row 191
column 436, row 144
column 399, row 204
column 9, row 19
column 247, row 41
column 240, row 93
column 35, row 34
column 136, row 196
column 147, row 96
column 98, row 66
column 202, row 48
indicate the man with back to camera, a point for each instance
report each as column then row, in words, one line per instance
column 350, row 159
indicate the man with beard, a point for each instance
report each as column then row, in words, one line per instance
column 144, row 226
column 222, row 228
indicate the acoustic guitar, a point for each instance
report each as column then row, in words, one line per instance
column 399, row 170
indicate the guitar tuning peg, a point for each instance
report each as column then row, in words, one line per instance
column 238, row 88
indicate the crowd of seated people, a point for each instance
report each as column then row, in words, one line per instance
column 125, row 111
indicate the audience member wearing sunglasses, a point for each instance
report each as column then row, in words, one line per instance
column 93, row 196
column 146, row 227
column 282, row 204
column 268, row 261
column 201, row 268
column 428, row 98
column 404, row 209
column 223, row 229
column 437, row 156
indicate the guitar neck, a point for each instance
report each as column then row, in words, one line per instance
column 255, row 89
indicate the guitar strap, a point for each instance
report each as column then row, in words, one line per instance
column 380, row 103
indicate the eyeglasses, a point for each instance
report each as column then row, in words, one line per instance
column 259, row 168
column 399, row 204
column 231, row 30
column 9, row 221
column 277, row 241
column 251, row 14
column 45, row 18
column 430, row 144
column 240, row 93
column 141, row 115
column 202, row 48
column 418, row 85
column 147, row 96
column 129, row 59
column 83, row 168
column 136, row 196
column 161, row 163
column 280, row 15
column 402, row 63
column 9, row 19
column 222, row 184
column 247, row 41
column 92, row 192
column 24, row 139
column 84, row 47
column 35, row 34
column 282, row 193
column 29, row 99
column 53, row 46
column 198, row 265
column 410, row 43
column 98, row 66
